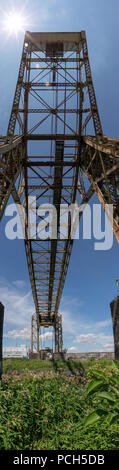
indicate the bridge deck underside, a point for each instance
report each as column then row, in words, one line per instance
column 51, row 185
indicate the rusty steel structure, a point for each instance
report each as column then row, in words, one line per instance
column 1, row 335
column 114, row 306
column 47, row 154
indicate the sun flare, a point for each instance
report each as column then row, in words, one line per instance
column 14, row 23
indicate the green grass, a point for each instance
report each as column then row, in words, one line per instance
column 44, row 405
column 21, row 365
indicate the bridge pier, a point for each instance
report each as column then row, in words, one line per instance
column 32, row 319
column 1, row 335
column 34, row 335
column 58, row 334
column 56, row 323
column 38, row 329
column 114, row 306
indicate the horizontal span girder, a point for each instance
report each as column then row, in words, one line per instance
column 53, row 137
column 56, row 164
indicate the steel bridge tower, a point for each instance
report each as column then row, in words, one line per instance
column 46, row 155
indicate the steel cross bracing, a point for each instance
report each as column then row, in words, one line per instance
column 46, row 154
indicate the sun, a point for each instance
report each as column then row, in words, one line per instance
column 14, row 23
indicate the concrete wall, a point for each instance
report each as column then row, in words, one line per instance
column 79, row 356
column 84, row 356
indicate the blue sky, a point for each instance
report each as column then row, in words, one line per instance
column 91, row 278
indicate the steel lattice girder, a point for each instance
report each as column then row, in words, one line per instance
column 52, row 109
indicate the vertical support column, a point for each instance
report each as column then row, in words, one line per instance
column 58, row 334
column 55, row 332
column 32, row 320
column 25, row 153
column 91, row 90
column 61, row 335
column 114, row 305
column 37, row 338
column 1, row 335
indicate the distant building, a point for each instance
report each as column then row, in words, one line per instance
column 18, row 351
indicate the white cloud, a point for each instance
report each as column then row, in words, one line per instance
column 97, row 342
column 109, row 346
column 72, row 349
column 85, row 338
column 74, row 329
column 26, row 334
column 21, row 348
column 15, row 334
column 18, row 305
column 47, row 336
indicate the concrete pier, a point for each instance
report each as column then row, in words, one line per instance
column 1, row 335
column 114, row 305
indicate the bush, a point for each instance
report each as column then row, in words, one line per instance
column 47, row 409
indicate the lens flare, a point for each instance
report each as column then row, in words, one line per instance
column 14, row 23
